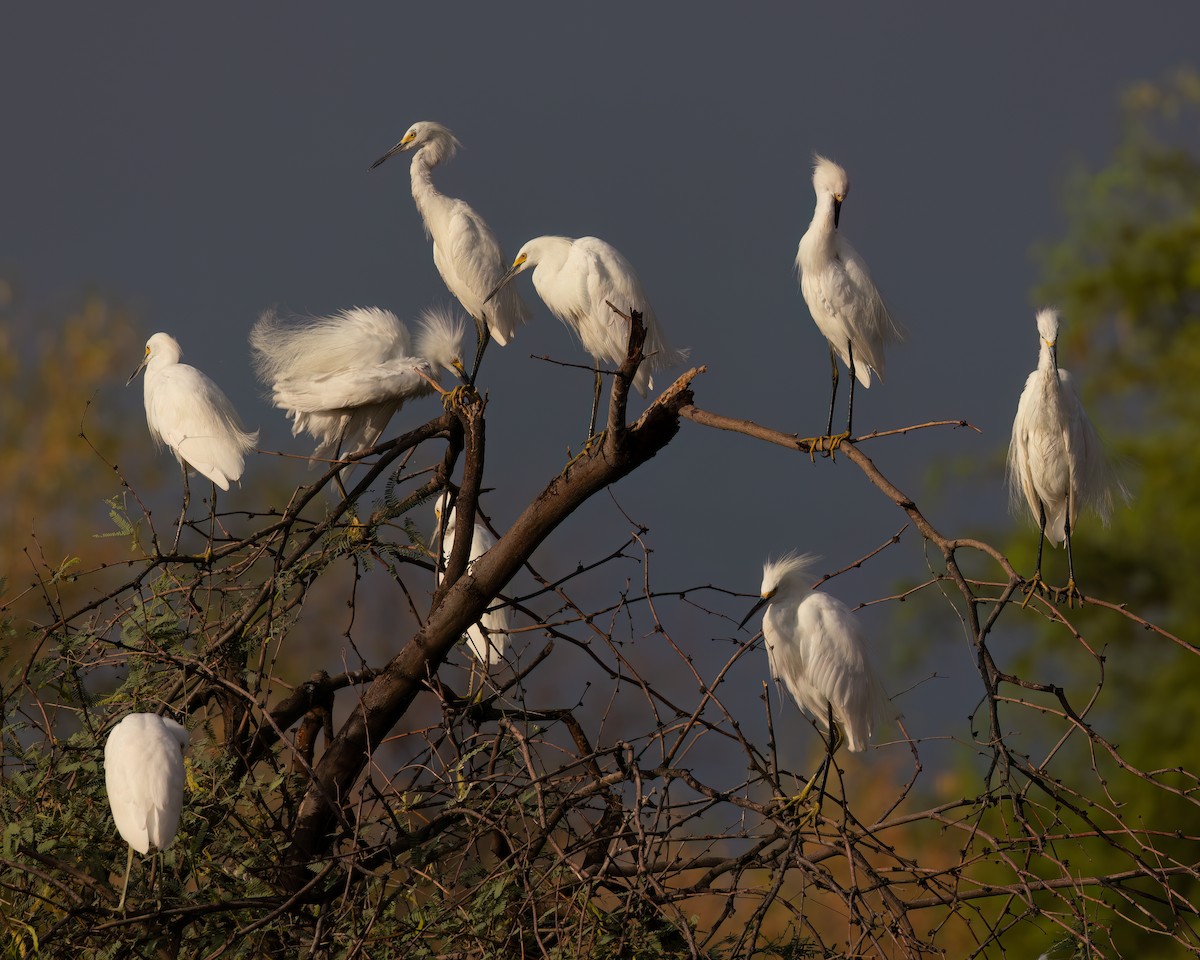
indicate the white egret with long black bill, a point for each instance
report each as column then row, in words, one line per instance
column 840, row 294
column 817, row 648
column 465, row 251
column 577, row 280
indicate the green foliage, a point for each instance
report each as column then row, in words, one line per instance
column 1127, row 279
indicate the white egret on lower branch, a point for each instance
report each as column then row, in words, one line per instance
column 817, row 648
column 1056, row 463
column 144, row 776
column 189, row 413
column 465, row 251
column 840, row 294
column 577, row 280
column 489, row 637
column 341, row 378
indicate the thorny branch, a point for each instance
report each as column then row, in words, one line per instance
column 642, row 801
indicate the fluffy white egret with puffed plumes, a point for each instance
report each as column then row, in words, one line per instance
column 840, row 294
column 144, row 776
column 816, row 647
column 577, row 280
column 465, row 251
column 1056, row 462
column 343, row 377
column 489, row 637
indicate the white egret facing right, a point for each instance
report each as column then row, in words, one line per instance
column 817, row 648
column 840, row 294
column 465, row 251
column 577, row 279
column 144, row 776
column 1056, row 463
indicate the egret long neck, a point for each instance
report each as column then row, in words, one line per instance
column 426, row 195
column 822, row 229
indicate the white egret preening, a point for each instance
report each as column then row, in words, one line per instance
column 341, row 378
column 189, row 413
column 465, row 251
column 816, row 647
column 488, row 638
column 577, row 279
column 143, row 775
column 840, row 294
column 1056, row 463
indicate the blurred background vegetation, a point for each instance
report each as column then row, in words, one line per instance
column 1126, row 276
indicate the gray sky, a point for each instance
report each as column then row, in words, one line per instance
column 205, row 163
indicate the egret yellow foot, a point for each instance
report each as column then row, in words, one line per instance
column 1070, row 594
column 455, row 397
column 1036, row 585
column 792, row 807
column 587, row 447
column 824, row 445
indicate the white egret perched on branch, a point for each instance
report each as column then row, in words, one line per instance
column 489, row 637
column 1056, row 463
column 341, row 378
column 839, row 292
column 189, row 413
column 577, row 280
column 465, row 251
column 817, row 648
column 143, row 776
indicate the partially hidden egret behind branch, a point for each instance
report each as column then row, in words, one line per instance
column 817, row 648
column 577, row 280
column 840, row 294
column 341, row 378
column 1056, row 463
column 144, row 776
column 189, row 413
column 465, row 251
column 488, row 638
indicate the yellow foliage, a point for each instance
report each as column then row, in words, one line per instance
column 61, row 374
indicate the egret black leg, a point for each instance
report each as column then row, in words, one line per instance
column 595, row 402
column 833, row 363
column 850, row 415
column 483, row 336
column 1037, row 584
column 1072, row 591
column 212, row 524
column 187, row 499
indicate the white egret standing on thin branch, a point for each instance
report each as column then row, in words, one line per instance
column 577, row 280
column 840, row 294
column 817, row 648
column 143, row 776
column 189, row 413
column 1056, row 463
column 465, row 251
